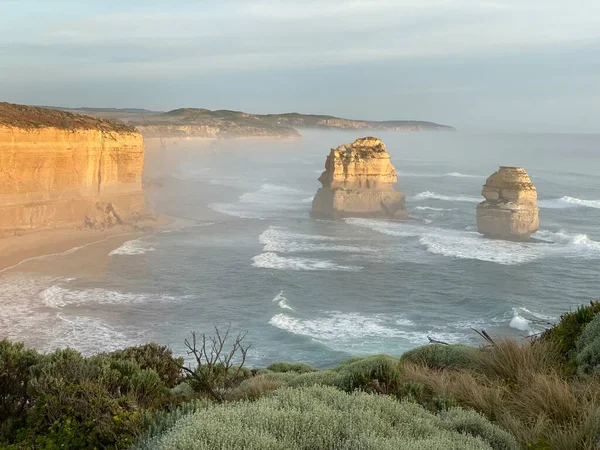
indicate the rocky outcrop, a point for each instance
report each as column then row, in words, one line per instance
column 358, row 182
column 59, row 170
column 510, row 209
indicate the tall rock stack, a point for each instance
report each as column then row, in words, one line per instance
column 358, row 182
column 510, row 209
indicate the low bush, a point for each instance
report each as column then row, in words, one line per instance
column 326, row 418
column 565, row 334
column 155, row 357
column 282, row 367
column 378, row 373
column 588, row 348
column 439, row 356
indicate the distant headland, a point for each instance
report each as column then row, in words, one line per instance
column 199, row 122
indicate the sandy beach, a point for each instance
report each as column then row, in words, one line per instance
column 34, row 244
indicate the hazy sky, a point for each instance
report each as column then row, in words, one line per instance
column 522, row 65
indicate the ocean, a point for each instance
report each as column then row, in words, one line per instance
column 244, row 253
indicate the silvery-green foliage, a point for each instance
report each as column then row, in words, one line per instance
column 588, row 347
column 328, row 419
column 440, row 356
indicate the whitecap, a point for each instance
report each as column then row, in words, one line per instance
column 428, row 195
column 282, row 301
column 57, row 296
column 130, row 248
column 568, row 202
column 271, row 260
column 462, row 175
column 361, row 333
column 398, row 229
column 431, row 208
column 280, row 239
column 519, row 323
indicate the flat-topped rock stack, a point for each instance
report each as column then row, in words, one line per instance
column 510, row 209
column 358, row 181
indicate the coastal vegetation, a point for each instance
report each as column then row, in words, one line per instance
column 541, row 393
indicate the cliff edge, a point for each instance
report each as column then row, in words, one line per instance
column 358, row 182
column 59, row 169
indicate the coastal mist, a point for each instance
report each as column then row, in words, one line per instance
column 242, row 251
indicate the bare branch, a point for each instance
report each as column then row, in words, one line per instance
column 434, row 341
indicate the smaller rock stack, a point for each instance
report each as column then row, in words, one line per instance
column 358, row 182
column 510, row 209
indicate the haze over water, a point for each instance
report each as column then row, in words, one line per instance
column 243, row 251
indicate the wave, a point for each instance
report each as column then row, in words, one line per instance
column 56, row 296
column 282, row 301
column 430, row 208
column 130, row 248
column 462, row 175
column 568, row 202
column 267, row 201
column 279, row 239
column 270, row 260
column 428, row 195
column 470, row 245
column 362, row 333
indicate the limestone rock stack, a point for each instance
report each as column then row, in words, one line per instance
column 510, row 209
column 358, row 182
column 59, row 169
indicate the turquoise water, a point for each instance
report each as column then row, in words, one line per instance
column 243, row 252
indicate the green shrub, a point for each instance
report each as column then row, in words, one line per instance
column 321, row 378
column 282, row 367
column 156, row 357
column 565, row 334
column 325, row 418
column 439, row 356
column 588, row 347
column 15, row 375
column 378, row 373
column 469, row 422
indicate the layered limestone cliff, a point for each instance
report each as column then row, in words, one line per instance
column 510, row 209
column 59, row 170
column 358, row 182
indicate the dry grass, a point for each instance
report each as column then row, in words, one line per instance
column 521, row 387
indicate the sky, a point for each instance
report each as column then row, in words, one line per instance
column 484, row 65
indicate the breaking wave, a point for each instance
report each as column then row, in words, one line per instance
column 270, row 260
column 462, row 175
column 282, row 301
column 569, row 202
column 136, row 247
column 280, row 239
column 428, row 195
column 56, row 296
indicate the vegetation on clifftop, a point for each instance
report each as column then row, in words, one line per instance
column 34, row 117
column 541, row 394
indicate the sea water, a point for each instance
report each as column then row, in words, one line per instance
column 244, row 253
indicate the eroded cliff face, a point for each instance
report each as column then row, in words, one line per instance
column 59, row 177
column 510, row 209
column 358, row 182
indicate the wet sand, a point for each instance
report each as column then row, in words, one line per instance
column 16, row 249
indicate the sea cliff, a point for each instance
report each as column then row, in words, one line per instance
column 60, row 170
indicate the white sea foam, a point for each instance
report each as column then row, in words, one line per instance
column 569, row 202
column 463, row 175
column 265, row 202
column 135, row 247
column 46, row 329
column 360, row 332
column 57, row 296
column 519, row 323
column 463, row 244
column 282, row 301
column 398, row 229
column 430, row 208
column 279, row 239
column 270, row 260
column 428, row 195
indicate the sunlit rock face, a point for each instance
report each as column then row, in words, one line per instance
column 62, row 170
column 510, row 209
column 358, row 182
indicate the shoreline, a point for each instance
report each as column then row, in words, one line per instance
column 18, row 249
